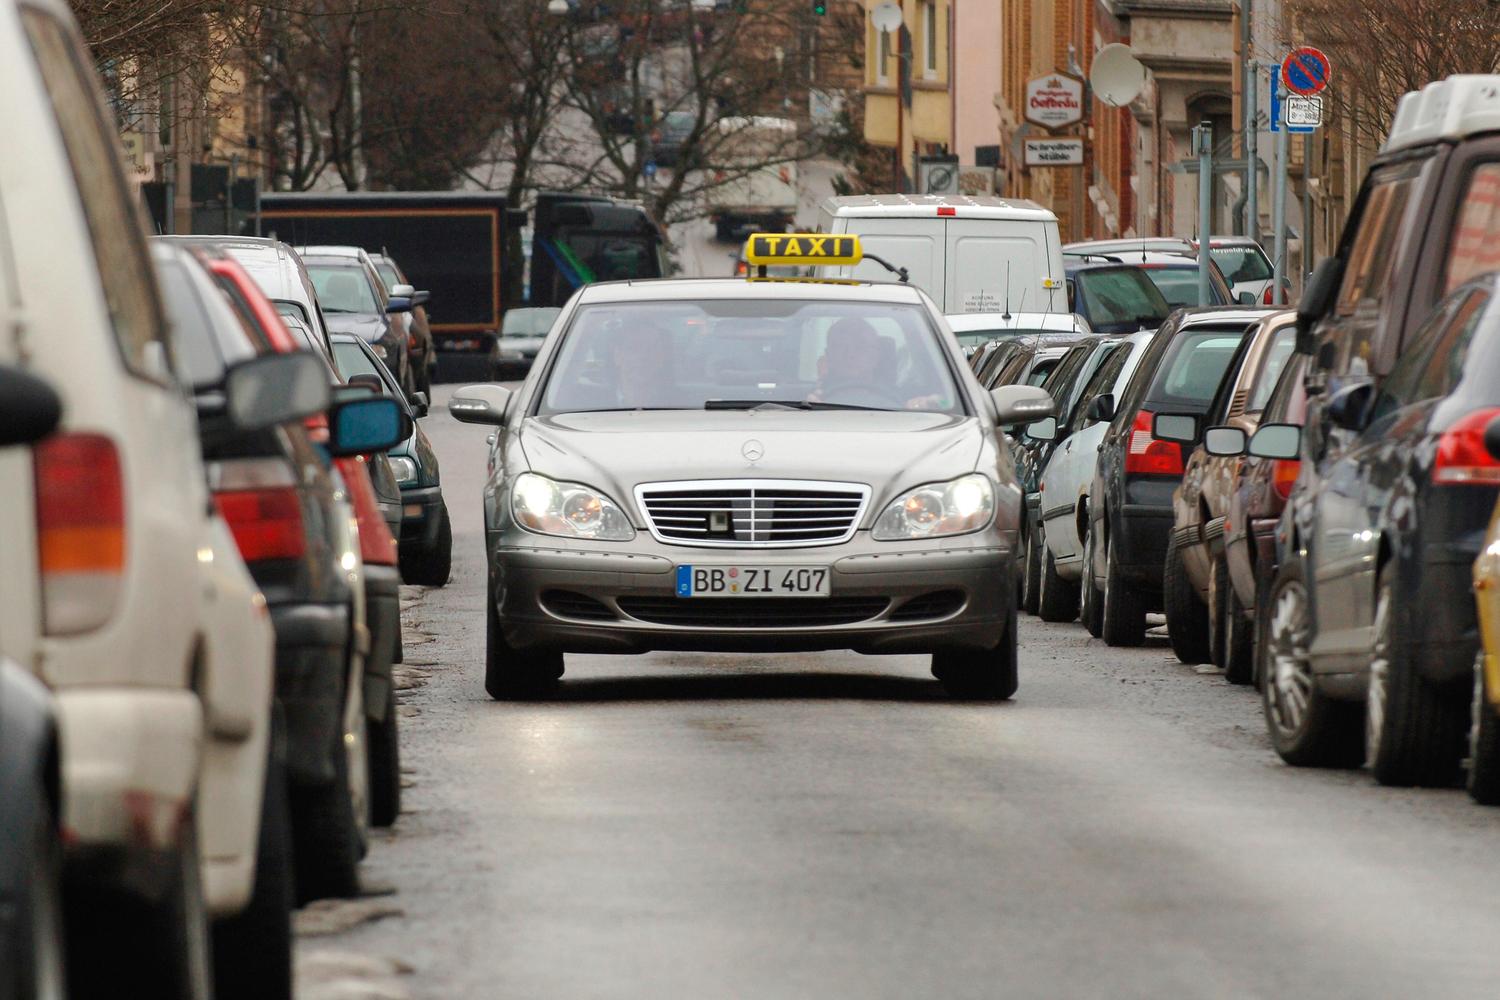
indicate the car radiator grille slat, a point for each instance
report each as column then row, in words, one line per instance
column 754, row 612
column 753, row 513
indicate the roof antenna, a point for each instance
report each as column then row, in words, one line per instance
column 1006, row 315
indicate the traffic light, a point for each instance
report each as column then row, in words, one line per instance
column 820, row 7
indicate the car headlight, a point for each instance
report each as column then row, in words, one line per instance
column 404, row 469
column 569, row 509
column 953, row 508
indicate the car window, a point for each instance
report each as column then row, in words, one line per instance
column 199, row 354
column 1121, row 298
column 353, row 361
column 1102, row 382
column 342, row 288
column 1241, row 264
column 1475, row 248
column 1372, row 262
column 1179, row 286
column 388, row 273
column 1193, row 367
column 1282, row 345
column 115, row 230
column 1288, row 402
column 1436, row 362
column 1066, row 370
column 998, row 358
column 688, row 355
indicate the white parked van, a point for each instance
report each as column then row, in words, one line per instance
column 983, row 254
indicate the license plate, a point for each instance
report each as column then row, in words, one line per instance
column 752, row 581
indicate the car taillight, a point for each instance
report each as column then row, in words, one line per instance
column 1266, row 298
column 257, row 497
column 80, row 519
column 1148, row 455
column 741, row 269
column 1461, row 455
column 1284, row 476
column 411, row 341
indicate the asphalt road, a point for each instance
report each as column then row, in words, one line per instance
column 830, row 825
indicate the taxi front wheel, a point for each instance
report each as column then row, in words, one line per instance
column 511, row 673
column 981, row 673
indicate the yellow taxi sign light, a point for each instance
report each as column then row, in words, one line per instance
column 806, row 249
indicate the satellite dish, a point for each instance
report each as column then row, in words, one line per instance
column 1117, row 76
column 886, row 17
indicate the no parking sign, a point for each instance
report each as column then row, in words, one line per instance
column 1306, row 71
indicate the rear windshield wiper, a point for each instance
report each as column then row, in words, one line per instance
column 784, row 404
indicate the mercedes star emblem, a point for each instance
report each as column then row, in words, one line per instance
column 753, row 450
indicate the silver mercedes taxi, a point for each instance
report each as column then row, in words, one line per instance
column 752, row 465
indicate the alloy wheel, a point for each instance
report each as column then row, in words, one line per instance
column 1289, row 689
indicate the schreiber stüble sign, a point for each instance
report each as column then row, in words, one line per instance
column 1054, row 152
column 1054, row 101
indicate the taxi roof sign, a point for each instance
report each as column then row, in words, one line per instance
column 812, row 249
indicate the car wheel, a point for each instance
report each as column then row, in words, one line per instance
column 326, row 834
column 1237, row 630
column 1059, row 597
column 253, row 948
column 1123, row 618
column 1187, row 617
column 1414, row 731
column 1090, row 601
column 1217, row 623
column 431, row 566
column 1031, row 573
column 510, row 673
column 41, row 974
column 1484, row 743
column 385, row 764
column 1307, row 728
column 981, row 674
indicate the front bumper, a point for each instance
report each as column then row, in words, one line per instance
column 910, row 597
column 420, row 506
column 383, row 616
column 312, row 660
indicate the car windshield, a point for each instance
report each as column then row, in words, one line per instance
column 388, row 273
column 1179, row 286
column 1241, row 264
column 528, row 322
column 342, row 288
column 1121, row 299
column 748, row 353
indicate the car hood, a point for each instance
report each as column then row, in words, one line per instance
column 366, row 326
column 891, row 452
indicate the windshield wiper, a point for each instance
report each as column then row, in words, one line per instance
column 783, row 404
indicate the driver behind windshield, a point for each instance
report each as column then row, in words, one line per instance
column 858, row 367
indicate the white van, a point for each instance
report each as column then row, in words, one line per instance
column 970, row 254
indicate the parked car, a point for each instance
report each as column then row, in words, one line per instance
column 1484, row 726
column 1194, row 573
column 1063, row 484
column 31, row 939
column 1387, row 535
column 418, row 330
column 280, row 274
column 1246, row 267
column 1174, row 272
column 978, row 329
column 354, row 300
column 426, row 545
column 521, row 334
column 1130, row 501
column 670, row 133
column 1421, row 226
column 1113, row 297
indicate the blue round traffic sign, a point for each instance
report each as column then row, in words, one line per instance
column 1306, row 71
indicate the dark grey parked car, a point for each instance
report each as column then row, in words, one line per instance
column 521, row 335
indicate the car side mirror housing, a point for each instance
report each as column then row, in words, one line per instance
column 1279, row 441
column 275, row 389
column 1246, row 298
column 1022, row 404
column 1179, row 427
column 365, row 425
column 1350, row 407
column 1043, row 430
column 1225, row 441
column 1317, row 299
column 29, row 407
column 1101, row 407
column 480, row 404
column 420, row 405
column 402, row 291
column 365, row 380
column 420, row 298
column 397, row 304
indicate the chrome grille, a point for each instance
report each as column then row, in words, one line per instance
column 762, row 513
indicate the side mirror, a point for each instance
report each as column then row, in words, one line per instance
column 1246, row 298
column 402, row 291
column 1101, row 407
column 397, row 304
column 420, row 298
column 1043, row 430
column 1179, row 427
column 1022, row 404
column 1225, row 441
column 480, row 404
column 29, row 407
column 1317, row 299
column 365, row 380
column 274, row 389
column 366, row 425
column 1350, row 407
column 1280, row 441
column 420, row 405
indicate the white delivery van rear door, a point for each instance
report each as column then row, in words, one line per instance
column 915, row 244
column 983, row 253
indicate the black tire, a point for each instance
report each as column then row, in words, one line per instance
column 1031, row 572
column 1059, row 598
column 1090, row 600
column 1484, row 743
column 511, row 674
column 1187, row 617
column 1307, row 728
column 385, row 764
column 326, row 837
column 1238, row 630
column 41, row 973
column 1415, row 730
column 981, row 674
column 125, row 945
column 253, row 948
column 431, row 566
column 1123, row 616
column 1217, row 620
